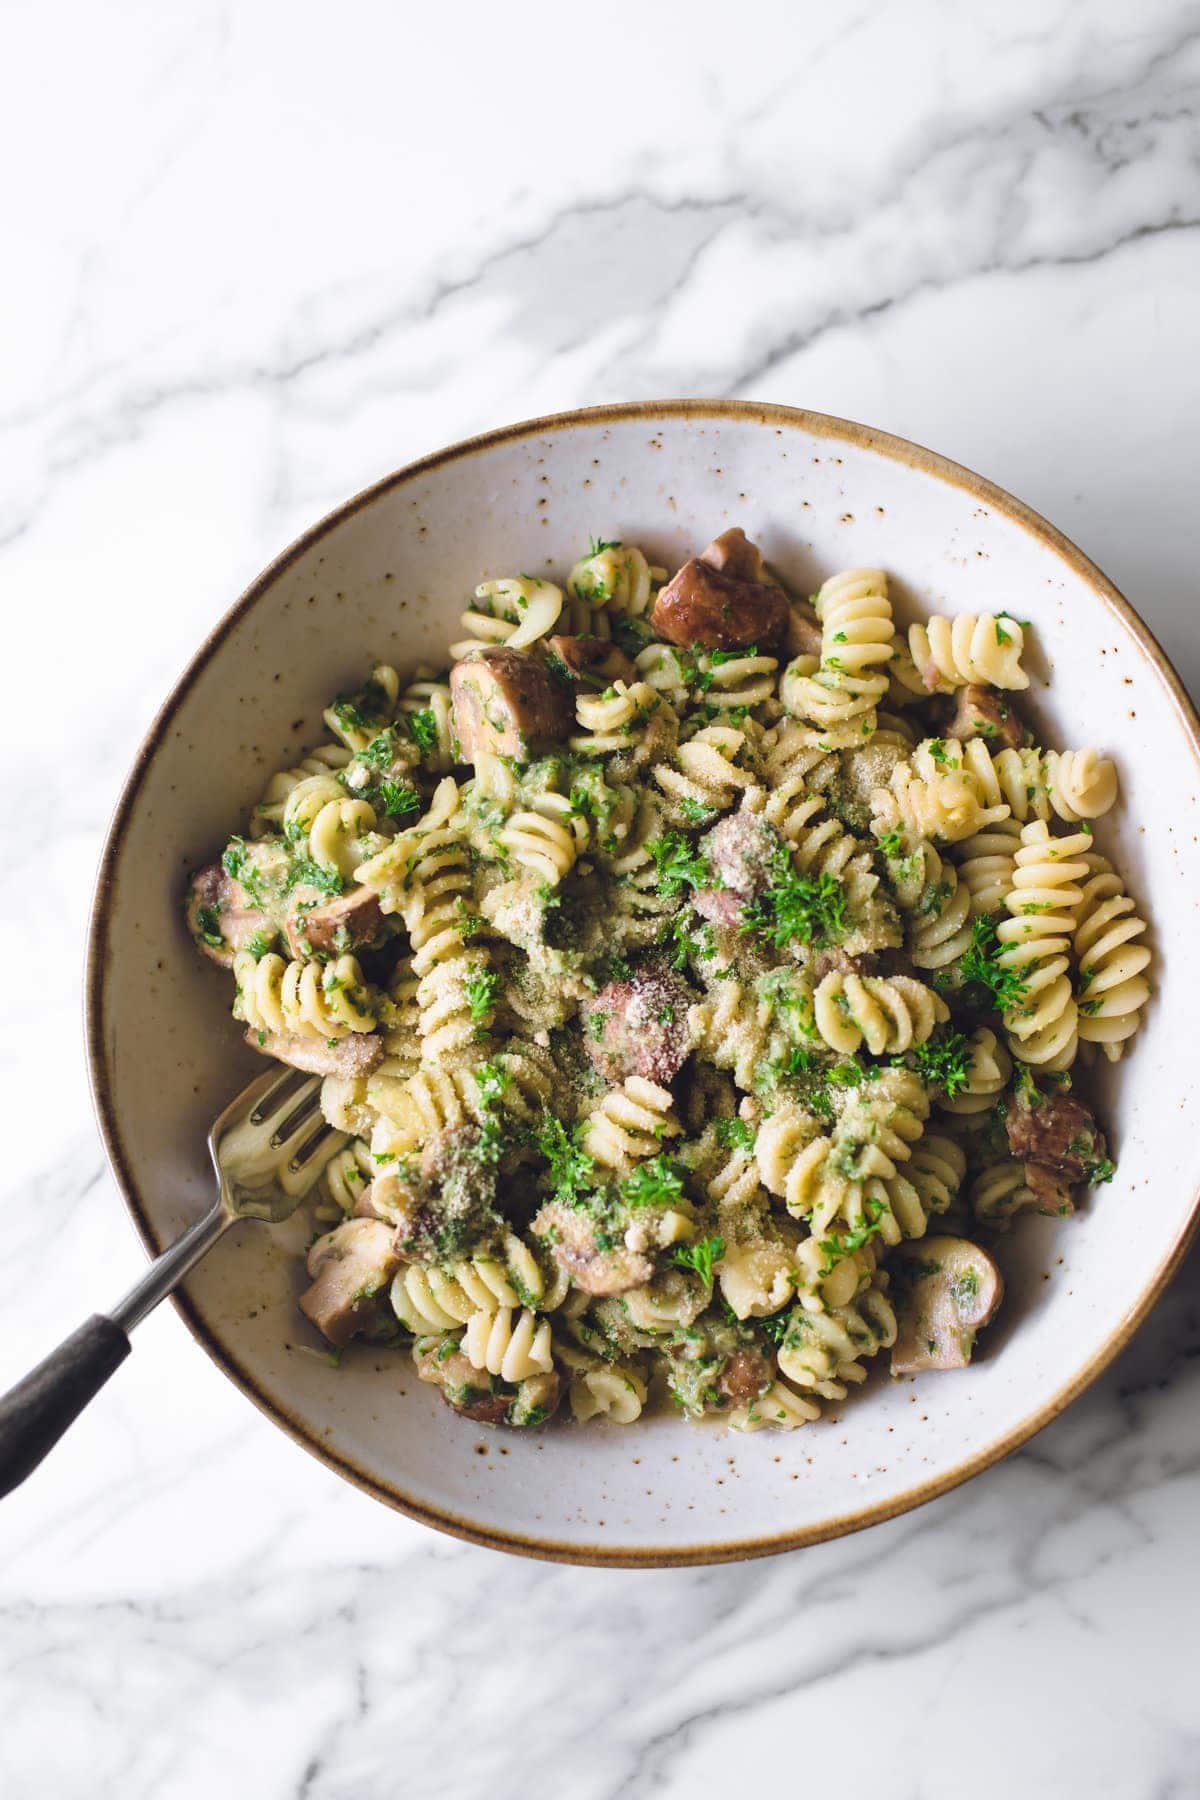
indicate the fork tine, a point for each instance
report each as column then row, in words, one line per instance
column 299, row 1116
column 290, row 1083
column 308, row 1149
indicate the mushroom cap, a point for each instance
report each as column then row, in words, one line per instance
column 948, row 1291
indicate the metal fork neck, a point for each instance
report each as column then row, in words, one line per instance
column 167, row 1271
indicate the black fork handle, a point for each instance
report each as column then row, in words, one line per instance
column 35, row 1413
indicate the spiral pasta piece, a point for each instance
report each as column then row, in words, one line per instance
column 987, row 863
column 347, row 1175
column 609, row 721
column 512, row 1347
column 546, row 837
column 325, row 1000
column 781, row 1407
column 324, row 763
column 631, row 1123
column 987, row 1076
column 824, row 1351
column 417, row 1107
column 841, row 695
column 705, row 772
column 890, row 1015
column 1112, row 983
column 426, row 707
column 735, row 1028
column 1000, row 1191
column 944, row 807
column 514, row 611
column 358, row 719
column 335, row 837
column 944, row 654
column 926, row 1186
column 616, row 577
column 737, row 678
column 821, row 845
column 442, row 1299
column 599, row 1389
column 1043, row 1027
column 1032, row 783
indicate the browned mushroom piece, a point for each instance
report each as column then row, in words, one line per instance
column 468, row 1390
column 946, row 1295
column 570, row 1238
column 221, row 916
column 736, row 555
column 591, row 661
column 987, row 713
column 803, row 631
column 347, row 923
column 351, row 1267
column 356, row 1054
column 1051, row 1191
column 1058, row 1131
column 745, row 1376
column 639, row 1026
column 827, row 961
column 701, row 606
column 507, row 703
column 476, row 1395
column 741, row 851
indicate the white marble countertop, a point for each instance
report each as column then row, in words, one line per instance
column 258, row 256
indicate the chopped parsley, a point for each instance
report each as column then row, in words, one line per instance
column 422, row 729
column 795, row 908
column 734, row 1134
column 572, row 1170
column 701, row 1257
column 891, row 844
column 307, row 872
column 395, row 800
column 836, row 1246
column 944, row 1060
column 208, row 927
column 481, row 989
column 981, row 965
column 695, row 812
column 658, row 1182
column 679, row 864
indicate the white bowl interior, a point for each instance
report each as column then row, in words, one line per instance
column 388, row 579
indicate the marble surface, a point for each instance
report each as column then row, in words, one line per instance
column 258, row 256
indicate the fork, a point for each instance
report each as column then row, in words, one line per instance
column 267, row 1148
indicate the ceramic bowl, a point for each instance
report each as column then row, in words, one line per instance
column 386, row 575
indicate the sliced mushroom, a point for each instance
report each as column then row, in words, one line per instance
column 350, row 1056
column 1058, row 1131
column 639, row 1026
column 804, row 630
column 507, row 703
column 985, row 712
column 351, row 1267
column 592, row 661
column 570, row 1237
column 952, row 1290
column 702, row 606
column 221, row 916
column 736, row 555
column 745, row 1376
column 742, row 851
column 347, row 923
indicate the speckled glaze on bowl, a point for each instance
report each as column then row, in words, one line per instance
column 386, row 575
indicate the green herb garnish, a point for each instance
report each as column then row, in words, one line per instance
column 701, row 1257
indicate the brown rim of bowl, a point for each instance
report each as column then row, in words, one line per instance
column 715, row 411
